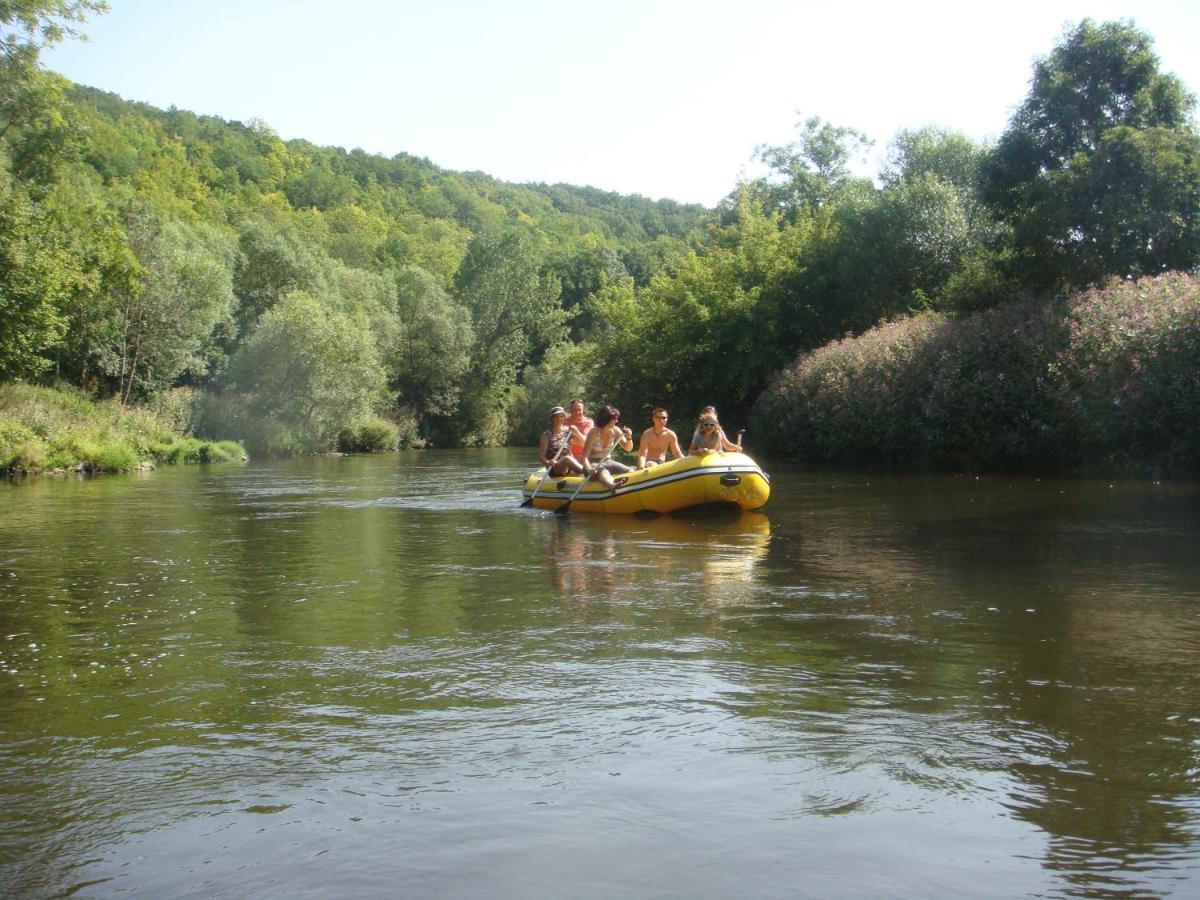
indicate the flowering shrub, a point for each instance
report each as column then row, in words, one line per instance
column 1130, row 374
column 1107, row 380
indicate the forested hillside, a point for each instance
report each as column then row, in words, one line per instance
column 299, row 298
column 295, row 291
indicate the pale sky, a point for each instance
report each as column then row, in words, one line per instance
column 664, row 98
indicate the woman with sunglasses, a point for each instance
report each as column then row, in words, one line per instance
column 709, row 436
column 601, row 441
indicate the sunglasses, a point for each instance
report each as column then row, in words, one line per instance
column 708, row 424
column 660, row 418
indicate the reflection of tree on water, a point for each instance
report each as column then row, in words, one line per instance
column 1043, row 632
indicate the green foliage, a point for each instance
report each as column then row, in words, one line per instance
column 1103, row 381
column 36, row 275
column 94, row 236
column 146, row 248
column 44, row 428
column 1099, row 168
column 565, row 372
column 273, row 259
column 808, row 173
column 515, row 315
column 285, row 293
column 20, row 448
column 429, row 352
column 193, row 450
column 307, row 371
column 119, row 456
column 182, row 301
column 34, row 120
column 704, row 332
column 370, row 435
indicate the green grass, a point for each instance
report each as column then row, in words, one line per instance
column 46, row 429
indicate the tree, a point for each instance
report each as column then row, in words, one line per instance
column 707, row 331
column 1097, row 170
column 37, row 274
column 273, row 260
column 95, row 238
column 171, row 320
column 898, row 248
column 306, row 372
column 583, row 267
column 807, row 173
column 429, row 354
column 515, row 312
column 32, row 101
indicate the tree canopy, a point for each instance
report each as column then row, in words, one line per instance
column 143, row 250
column 1098, row 170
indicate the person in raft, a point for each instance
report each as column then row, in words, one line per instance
column 597, row 461
column 710, row 436
column 581, row 422
column 553, row 444
column 657, row 441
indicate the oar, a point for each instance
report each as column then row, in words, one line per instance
column 566, row 507
column 550, row 467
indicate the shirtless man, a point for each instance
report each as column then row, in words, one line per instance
column 656, row 441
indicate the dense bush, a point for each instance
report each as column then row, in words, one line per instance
column 369, row 435
column 1130, row 374
column 20, row 448
column 1108, row 380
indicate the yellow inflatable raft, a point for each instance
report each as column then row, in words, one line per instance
column 714, row 478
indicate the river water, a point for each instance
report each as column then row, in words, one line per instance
column 378, row 676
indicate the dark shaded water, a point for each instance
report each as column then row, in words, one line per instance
column 378, row 676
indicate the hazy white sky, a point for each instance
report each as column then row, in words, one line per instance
column 665, row 98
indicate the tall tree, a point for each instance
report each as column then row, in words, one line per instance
column 807, row 173
column 707, row 331
column 32, row 101
column 1098, row 169
column 307, row 371
column 37, row 274
column 170, row 321
column 515, row 312
column 428, row 356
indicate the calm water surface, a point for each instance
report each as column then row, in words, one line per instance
column 379, row 676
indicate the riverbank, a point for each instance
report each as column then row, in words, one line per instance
column 1106, row 381
column 55, row 431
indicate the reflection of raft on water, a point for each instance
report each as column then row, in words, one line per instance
column 713, row 479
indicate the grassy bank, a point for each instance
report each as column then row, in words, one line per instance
column 1106, row 381
column 48, row 430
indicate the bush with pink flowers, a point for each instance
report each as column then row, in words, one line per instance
column 1107, row 380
